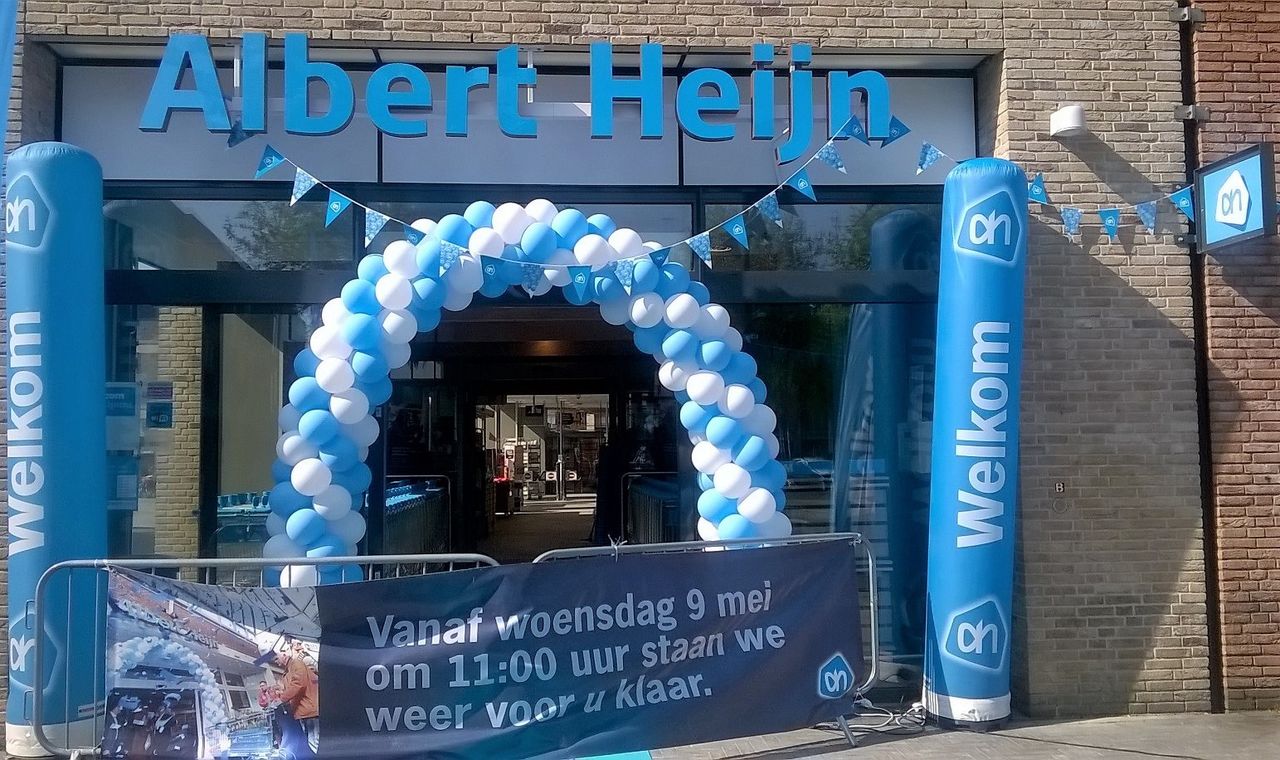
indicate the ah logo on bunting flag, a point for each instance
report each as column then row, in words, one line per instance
column 990, row 228
column 978, row 636
column 26, row 214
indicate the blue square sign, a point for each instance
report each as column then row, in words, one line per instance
column 1236, row 198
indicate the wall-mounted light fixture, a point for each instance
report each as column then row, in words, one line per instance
column 1068, row 121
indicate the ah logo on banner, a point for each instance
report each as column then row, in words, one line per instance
column 978, row 636
column 991, row 228
column 26, row 214
column 835, row 677
column 1232, row 204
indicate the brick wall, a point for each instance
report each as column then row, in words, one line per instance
column 1237, row 60
column 1110, row 616
column 178, row 464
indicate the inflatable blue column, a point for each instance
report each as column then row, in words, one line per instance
column 974, row 487
column 56, row 434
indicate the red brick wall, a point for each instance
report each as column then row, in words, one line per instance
column 1237, row 61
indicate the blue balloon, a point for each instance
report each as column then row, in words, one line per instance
column 741, row 369
column 570, row 225
column 306, row 394
column 695, row 416
column 538, row 242
column 280, row 471
column 752, row 453
column 305, row 526
column 305, row 363
column 699, row 293
column 285, row 499
column 327, row 545
column 737, row 526
column 360, row 297
column 682, row 397
column 779, row 498
column 455, row 229
column 479, row 214
column 371, row 268
column 714, row 507
column 772, row 476
column 429, row 294
column 758, row 390
column 355, row 479
column 362, row 331
column 493, row 287
column 271, row 577
column 378, row 391
column 369, row 366
column 674, row 279
column 645, row 276
column 318, row 426
column 705, row 481
column 428, row 318
column 608, row 289
column 649, row 339
column 352, row 574
column 680, row 345
column 428, row 258
column 724, row 432
column 602, row 225
column 714, row 355
column 339, row 453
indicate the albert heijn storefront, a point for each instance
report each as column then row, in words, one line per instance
column 215, row 282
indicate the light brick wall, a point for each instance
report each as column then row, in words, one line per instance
column 1237, row 59
column 178, row 465
column 1110, row 583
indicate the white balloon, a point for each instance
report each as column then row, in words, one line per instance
column 401, row 258
column 758, row 505
column 705, row 387
column 398, row 326
column 350, row 527
column 327, row 343
column 348, row 406
column 542, row 288
column 394, row 291
column 709, row 458
column 737, row 401
column 467, row 274
column 732, row 481
column 647, row 309
column 627, row 243
column 334, row 312
column 293, row 448
column 616, row 312
column 397, row 354
column 362, row 453
column 281, row 546
column 557, row 277
column 289, row 417
column 363, row 432
column 457, row 300
column 425, row 226
column 682, row 311
column 760, row 421
column 333, row 503
column 593, row 251
column 673, row 376
column 335, row 375
column 707, row 530
column 778, row 526
column 771, row 441
column 542, row 210
column 713, row 322
column 510, row 220
column 486, row 242
column 696, row 438
column 275, row 524
column 310, row 476
column 299, row 576
column 733, row 338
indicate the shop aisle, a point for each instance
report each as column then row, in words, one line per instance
column 541, row 525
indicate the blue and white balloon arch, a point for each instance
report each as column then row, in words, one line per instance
column 327, row 426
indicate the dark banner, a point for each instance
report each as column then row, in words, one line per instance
column 565, row 659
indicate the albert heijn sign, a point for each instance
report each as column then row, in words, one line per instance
column 1236, row 198
column 399, row 95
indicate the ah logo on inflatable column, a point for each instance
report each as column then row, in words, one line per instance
column 977, row 636
column 26, row 214
column 990, row 228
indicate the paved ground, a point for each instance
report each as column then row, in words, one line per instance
column 1237, row 736
column 539, row 526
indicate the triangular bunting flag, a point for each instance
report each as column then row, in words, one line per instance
column 237, row 135
column 530, row 276
column 661, row 255
column 769, row 207
column 578, row 279
column 1070, row 220
column 337, row 204
column 1182, row 200
column 929, row 155
column 490, row 267
column 302, row 184
column 1110, row 221
column 271, row 158
column 828, row 155
column 449, row 255
column 897, row 130
column 853, row 128
column 1036, row 191
column 374, row 221
column 625, row 271
column 701, row 245
column 800, row 181
column 737, row 228
column 414, row 235
column 1147, row 213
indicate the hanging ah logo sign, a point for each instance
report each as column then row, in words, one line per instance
column 1236, row 198
column 399, row 95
